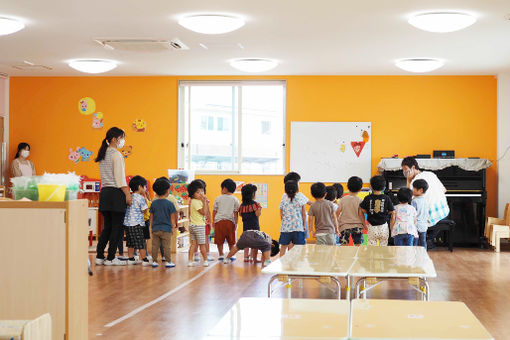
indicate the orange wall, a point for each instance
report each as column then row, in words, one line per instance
column 409, row 115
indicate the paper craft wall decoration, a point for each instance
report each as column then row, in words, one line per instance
column 239, row 186
column 127, row 151
column 357, row 147
column 261, row 195
column 81, row 153
column 97, row 120
column 139, row 125
column 85, row 154
column 180, row 192
column 74, row 156
column 86, row 106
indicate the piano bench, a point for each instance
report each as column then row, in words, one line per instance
column 444, row 225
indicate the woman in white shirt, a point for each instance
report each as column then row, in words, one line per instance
column 435, row 195
column 21, row 166
column 114, row 196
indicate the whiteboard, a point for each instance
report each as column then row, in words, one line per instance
column 330, row 151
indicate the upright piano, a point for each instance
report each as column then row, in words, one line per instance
column 464, row 180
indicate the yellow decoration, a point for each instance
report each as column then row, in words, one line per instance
column 87, row 106
column 139, row 125
column 342, row 148
column 98, row 115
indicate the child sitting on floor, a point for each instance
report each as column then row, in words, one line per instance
column 250, row 212
column 403, row 221
column 255, row 239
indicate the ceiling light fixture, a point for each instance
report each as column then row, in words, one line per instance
column 419, row 65
column 8, row 26
column 93, row 65
column 442, row 22
column 211, row 24
column 253, row 65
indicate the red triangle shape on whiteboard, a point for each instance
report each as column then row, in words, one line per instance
column 357, row 147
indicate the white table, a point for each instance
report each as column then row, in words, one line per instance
column 375, row 265
column 303, row 319
column 397, row 319
column 318, row 262
column 307, row 319
column 371, row 264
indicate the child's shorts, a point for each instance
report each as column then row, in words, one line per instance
column 327, row 239
column 294, row 237
column 197, row 233
column 253, row 240
column 379, row 233
column 224, row 230
column 135, row 237
column 356, row 233
column 146, row 230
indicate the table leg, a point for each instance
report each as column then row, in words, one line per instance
column 289, row 288
column 348, row 289
column 269, row 291
column 338, row 285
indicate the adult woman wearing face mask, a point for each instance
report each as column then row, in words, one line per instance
column 435, row 195
column 114, row 196
column 21, row 166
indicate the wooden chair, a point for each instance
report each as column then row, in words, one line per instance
column 498, row 228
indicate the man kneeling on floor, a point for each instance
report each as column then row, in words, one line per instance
column 257, row 240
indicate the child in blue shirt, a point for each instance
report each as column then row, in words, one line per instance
column 134, row 221
column 163, row 220
column 420, row 187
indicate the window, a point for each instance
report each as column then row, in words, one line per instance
column 265, row 127
column 230, row 126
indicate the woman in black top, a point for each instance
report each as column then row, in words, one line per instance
column 250, row 212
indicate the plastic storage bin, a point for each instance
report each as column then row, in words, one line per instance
column 51, row 192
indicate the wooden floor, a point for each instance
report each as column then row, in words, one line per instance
column 196, row 298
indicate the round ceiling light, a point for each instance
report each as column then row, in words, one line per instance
column 93, row 65
column 419, row 65
column 211, row 24
column 442, row 22
column 254, row 65
column 8, row 26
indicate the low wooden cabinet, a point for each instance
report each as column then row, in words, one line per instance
column 44, row 266
column 182, row 221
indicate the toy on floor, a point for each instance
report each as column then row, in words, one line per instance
column 351, row 241
column 365, row 237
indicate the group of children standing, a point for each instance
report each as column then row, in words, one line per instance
column 333, row 218
column 157, row 220
column 336, row 218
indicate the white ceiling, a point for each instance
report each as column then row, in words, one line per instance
column 320, row 37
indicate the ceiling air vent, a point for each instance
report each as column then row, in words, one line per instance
column 142, row 45
column 28, row 65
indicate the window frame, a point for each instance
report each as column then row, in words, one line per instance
column 184, row 128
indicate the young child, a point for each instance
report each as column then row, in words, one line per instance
column 147, row 226
column 163, row 220
column 294, row 176
column 403, row 221
column 351, row 220
column 207, row 226
column 292, row 216
column 225, row 216
column 339, row 192
column 250, row 212
column 134, row 221
column 322, row 218
column 378, row 208
column 420, row 187
column 198, row 211
column 255, row 239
